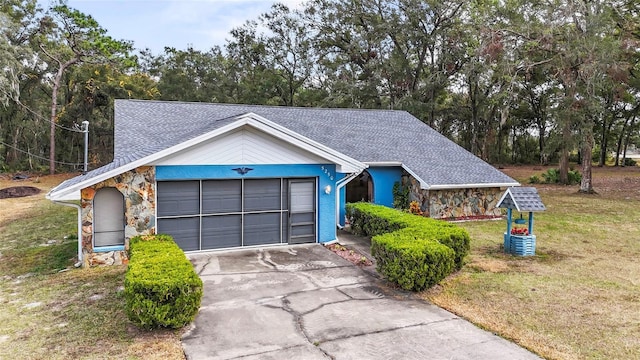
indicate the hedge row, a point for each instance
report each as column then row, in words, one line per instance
column 161, row 287
column 412, row 251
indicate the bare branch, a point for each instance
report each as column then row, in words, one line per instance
column 49, row 55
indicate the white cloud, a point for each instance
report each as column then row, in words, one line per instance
column 159, row 23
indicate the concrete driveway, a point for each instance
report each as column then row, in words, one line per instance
column 304, row 302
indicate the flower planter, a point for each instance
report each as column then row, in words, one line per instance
column 520, row 245
column 519, row 240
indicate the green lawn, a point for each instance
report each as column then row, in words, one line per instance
column 49, row 309
column 579, row 297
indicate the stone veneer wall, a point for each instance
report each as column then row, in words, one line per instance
column 466, row 203
column 138, row 188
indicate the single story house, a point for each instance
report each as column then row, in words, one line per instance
column 219, row 176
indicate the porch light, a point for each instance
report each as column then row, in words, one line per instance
column 327, row 189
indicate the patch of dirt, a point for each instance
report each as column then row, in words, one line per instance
column 157, row 344
column 14, row 208
column 552, row 256
column 490, row 265
column 350, row 255
column 619, row 183
column 18, row 191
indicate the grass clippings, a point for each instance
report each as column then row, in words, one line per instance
column 579, row 297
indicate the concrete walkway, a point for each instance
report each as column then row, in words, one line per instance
column 304, row 302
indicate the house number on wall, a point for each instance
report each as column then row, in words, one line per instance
column 327, row 172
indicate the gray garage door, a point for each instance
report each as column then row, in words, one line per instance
column 214, row 214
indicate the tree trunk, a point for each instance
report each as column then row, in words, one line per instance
column 586, row 184
column 514, row 145
column 14, row 151
column 54, row 110
column 603, row 143
column 473, row 92
column 626, row 142
column 619, row 142
column 564, row 154
column 544, row 160
column 52, row 125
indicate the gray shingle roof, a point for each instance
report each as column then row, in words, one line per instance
column 143, row 127
column 522, row 199
column 116, row 163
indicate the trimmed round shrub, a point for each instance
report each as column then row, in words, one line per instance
column 161, row 288
column 412, row 263
column 369, row 220
column 428, row 249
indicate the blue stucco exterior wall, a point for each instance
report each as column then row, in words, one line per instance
column 342, row 201
column 383, row 180
column 324, row 173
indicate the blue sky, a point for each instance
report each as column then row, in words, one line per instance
column 155, row 24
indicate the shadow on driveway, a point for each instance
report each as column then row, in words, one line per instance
column 305, row 302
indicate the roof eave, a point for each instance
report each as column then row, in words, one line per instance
column 64, row 196
column 504, row 196
column 423, row 184
column 72, row 192
column 518, row 208
column 465, row 186
column 345, row 163
column 384, row 163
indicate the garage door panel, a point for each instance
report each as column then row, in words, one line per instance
column 221, row 231
column 285, row 227
column 185, row 232
column 302, row 218
column 302, row 239
column 177, row 198
column 308, row 230
column 221, row 196
column 215, row 214
column 262, row 195
column 261, row 229
column 285, row 198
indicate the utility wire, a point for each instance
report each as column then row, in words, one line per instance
column 17, row 101
column 40, row 157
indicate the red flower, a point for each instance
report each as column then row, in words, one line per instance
column 520, row 231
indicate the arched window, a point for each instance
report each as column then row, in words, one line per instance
column 360, row 188
column 108, row 218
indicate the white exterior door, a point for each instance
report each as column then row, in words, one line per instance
column 302, row 211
